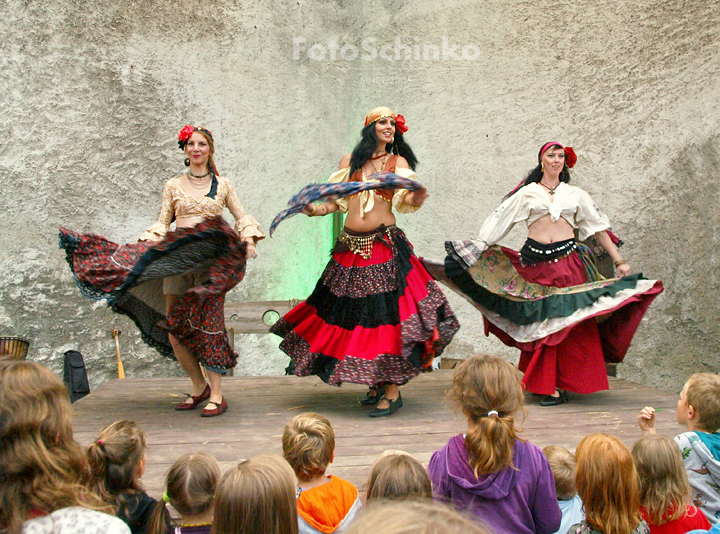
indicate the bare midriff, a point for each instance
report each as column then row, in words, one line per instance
column 188, row 222
column 544, row 230
column 379, row 215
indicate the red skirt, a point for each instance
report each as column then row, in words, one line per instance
column 574, row 358
column 565, row 336
column 369, row 321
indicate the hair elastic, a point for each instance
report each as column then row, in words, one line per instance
column 100, row 442
column 493, row 412
column 166, row 497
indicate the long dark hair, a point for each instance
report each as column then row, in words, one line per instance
column 368, row 143
column 536, row 174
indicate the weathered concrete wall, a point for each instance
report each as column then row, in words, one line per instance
column 94, row 93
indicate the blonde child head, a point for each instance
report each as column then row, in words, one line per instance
column 397, row 475
column 44, row 469
column 308, row 444
column 563, row 465
column 117, row 460
column 607, row 483
column 257, row 497
column 191, row 484
column 664, row 486
column 488, row 391
column 415, row 517
column 702, row 392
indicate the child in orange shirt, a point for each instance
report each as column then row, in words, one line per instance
column 326, row 504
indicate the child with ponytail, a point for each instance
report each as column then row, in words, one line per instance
column 492, row 471
column 190, row 485
column 117, row 462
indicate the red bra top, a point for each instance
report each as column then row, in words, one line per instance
column 387, row 194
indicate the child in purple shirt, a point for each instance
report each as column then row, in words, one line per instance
column 492, row 471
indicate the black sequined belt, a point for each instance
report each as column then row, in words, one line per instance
column 534, row 252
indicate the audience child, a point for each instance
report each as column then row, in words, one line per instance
column 492, row 471
column 698, row 409
column 607, row 483
column 665, row 495
column 397, row 475
column 257, row 497
column 117, row 462
column 191, row 486
column 563, row 465
column 324, row 503
column 44, row 486
column 415, row 517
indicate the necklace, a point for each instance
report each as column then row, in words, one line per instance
column 198, row 184
column 382, row 163
column 198, row 175
column 380, row 156
column 551, row 190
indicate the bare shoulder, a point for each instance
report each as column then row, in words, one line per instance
column 402, row 163
column 345, row 162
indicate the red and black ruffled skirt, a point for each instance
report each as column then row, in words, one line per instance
column 380, row 319
column 130, row 278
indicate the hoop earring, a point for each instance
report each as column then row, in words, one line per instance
column 187, row 162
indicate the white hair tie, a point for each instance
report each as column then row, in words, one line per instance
column 493, row 412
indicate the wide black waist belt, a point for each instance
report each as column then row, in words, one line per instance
column 534, row 252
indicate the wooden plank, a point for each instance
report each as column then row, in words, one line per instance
column 255, row 317
column 261, row 406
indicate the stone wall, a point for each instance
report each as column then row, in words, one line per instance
column 95, row 92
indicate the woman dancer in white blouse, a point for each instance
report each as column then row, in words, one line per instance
column 546, row 298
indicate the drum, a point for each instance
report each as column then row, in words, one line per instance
column 14, row 347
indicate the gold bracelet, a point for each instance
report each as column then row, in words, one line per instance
column 314, row 209
column 619, row 263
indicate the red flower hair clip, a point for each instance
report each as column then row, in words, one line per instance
column 570, row 157
column 184, row 135
column 400, row 124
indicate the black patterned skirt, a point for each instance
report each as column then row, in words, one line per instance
column 131, row 276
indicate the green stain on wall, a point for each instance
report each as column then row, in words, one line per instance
column 306, row 252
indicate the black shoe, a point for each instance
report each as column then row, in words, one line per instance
column 562, row 398
column 395, row 405
column 372, row 400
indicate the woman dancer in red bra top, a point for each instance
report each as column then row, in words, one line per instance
column 376, row 317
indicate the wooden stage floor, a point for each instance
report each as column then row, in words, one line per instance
column 261, row 406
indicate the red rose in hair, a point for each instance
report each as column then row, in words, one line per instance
column 400, row 124
column 570, row 157
column 186, row 132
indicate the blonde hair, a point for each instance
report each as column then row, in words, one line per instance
column 257, row 497
column 397, row 475
column 703, row 394
column 191, row 484
column 415, row 517
column 563, row 465
column 483, row 384
column 308, row 444
column 607, row 483
column 664, row 486
column 114, row 458
column 43, row 468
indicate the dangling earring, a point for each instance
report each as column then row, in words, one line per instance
column 392, row 140
column 542, row 167
column 187, row 162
